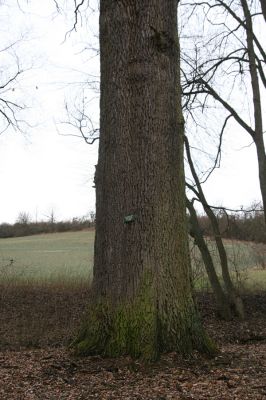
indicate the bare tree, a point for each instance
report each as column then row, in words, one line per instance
column 230, row 55
column 79, row 119
column 15, row 62
column 10, row 109
column 23, row 218
column 232, row 294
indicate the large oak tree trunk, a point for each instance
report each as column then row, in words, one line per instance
column 141, row 302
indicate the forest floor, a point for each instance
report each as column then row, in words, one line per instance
column 36, row 324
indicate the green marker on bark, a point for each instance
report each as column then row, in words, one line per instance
column 129, row 218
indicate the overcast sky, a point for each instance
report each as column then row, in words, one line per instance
column 44, row 170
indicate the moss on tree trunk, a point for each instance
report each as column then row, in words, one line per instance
column 140, row 328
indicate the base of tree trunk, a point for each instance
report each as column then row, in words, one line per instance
column 237, row 306
column 139, row 329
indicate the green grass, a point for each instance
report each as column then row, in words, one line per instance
column 47, row 258
column 247, row 262
column 255, row 280
column 68, row 258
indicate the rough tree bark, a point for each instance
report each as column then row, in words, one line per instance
column 141, row 298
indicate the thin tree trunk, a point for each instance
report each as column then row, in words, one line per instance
column 235, row 299
column 141, row 302
column 263, row 8
column 222, row 302
column 258, row 134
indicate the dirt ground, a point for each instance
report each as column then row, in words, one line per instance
column 37, row 324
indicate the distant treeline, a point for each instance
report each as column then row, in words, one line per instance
column 248, row 226
column 243, row 226
column 26, row 228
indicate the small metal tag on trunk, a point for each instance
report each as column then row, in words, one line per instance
column 129, row 218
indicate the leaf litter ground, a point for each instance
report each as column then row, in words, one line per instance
column 36, row 324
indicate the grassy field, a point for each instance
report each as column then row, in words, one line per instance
column 47, row 258
column 68, row 257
